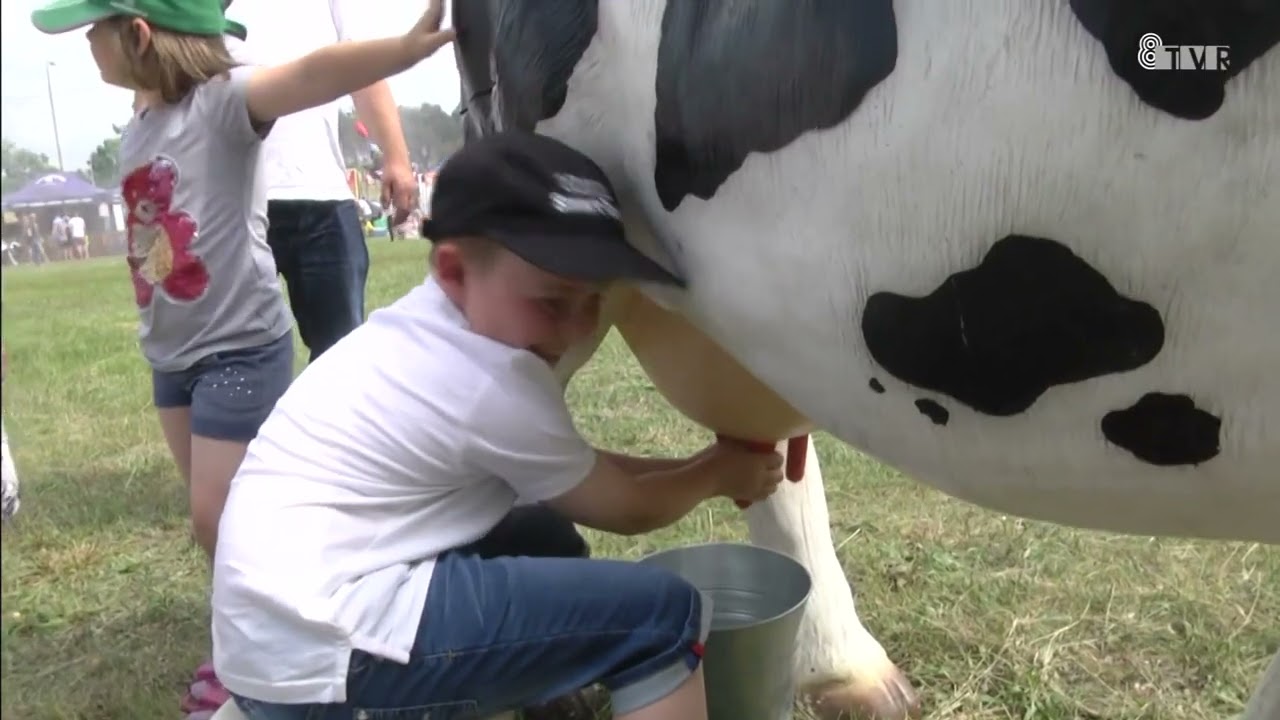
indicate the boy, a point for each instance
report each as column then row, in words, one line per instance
column 344, row 582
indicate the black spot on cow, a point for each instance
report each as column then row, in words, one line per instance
column 1246, row 28
column 515, row 57
column 876, row 386
column 1031, row 315
column 933, row 411
column 1165, row 430
column 753, row 75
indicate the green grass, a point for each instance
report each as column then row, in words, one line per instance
column 104, row 596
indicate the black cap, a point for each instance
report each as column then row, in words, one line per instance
column 542, row 200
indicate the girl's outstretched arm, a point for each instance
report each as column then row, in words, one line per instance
column 342, row 68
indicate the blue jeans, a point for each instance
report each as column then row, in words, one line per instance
column 319, row 249
column 503, row 633
column 230, row 393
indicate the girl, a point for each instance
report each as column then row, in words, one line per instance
column 213, row 324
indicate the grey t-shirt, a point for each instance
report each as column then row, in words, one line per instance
column 203, row 275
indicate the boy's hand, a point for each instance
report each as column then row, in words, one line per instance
column 426, row 36
column 743, row 473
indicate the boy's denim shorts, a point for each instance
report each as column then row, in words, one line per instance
column 230, row 393
column 512, row 632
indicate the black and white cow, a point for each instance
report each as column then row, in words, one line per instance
column 977, row 239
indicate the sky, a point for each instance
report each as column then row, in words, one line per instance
column 86, row 107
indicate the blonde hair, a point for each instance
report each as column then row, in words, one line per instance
column 173, row 63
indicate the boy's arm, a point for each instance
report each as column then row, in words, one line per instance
column 520, row 430
column 643, row 465
column 613, row 500
column 340, row 69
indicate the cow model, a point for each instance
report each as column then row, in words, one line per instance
column 1023, row 250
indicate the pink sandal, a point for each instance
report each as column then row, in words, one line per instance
column 205, row 694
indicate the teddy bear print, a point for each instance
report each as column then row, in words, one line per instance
column 160, row 236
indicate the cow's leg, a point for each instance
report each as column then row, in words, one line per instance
column 1265, row 703
column 839, row 665
column 840, row 668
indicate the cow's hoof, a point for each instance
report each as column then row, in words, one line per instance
column 890, row 697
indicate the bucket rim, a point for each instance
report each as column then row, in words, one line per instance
column 804, row 598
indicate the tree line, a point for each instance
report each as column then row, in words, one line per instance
column 431, row 134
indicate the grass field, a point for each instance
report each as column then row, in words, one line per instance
column 104, row 597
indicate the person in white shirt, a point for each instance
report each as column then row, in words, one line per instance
column 79, row 238
column 315, row 228
column 58, row 233
column 347, row 581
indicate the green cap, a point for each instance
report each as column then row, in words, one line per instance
column 194, row 17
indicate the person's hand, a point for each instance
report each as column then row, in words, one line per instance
column 399, row 190
column 741, row 472
column 426, row 37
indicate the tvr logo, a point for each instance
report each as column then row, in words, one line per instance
column 1153, row 54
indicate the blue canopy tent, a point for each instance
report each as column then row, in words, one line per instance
column 56, row 189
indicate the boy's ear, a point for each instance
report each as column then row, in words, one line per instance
column 448, row 267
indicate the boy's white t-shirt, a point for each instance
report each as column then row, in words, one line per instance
column 411, row 436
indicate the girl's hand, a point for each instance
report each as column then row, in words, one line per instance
column 426, row 36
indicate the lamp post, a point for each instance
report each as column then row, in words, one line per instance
column 53, row 113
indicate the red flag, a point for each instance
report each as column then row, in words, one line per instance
column 360, row 128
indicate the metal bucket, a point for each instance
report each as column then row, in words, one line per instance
column 758, row 597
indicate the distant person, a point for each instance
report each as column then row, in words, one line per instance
column 59, row 235
column 213, row 326
column 32, row 241
column 79, row 240
column 315, row 227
